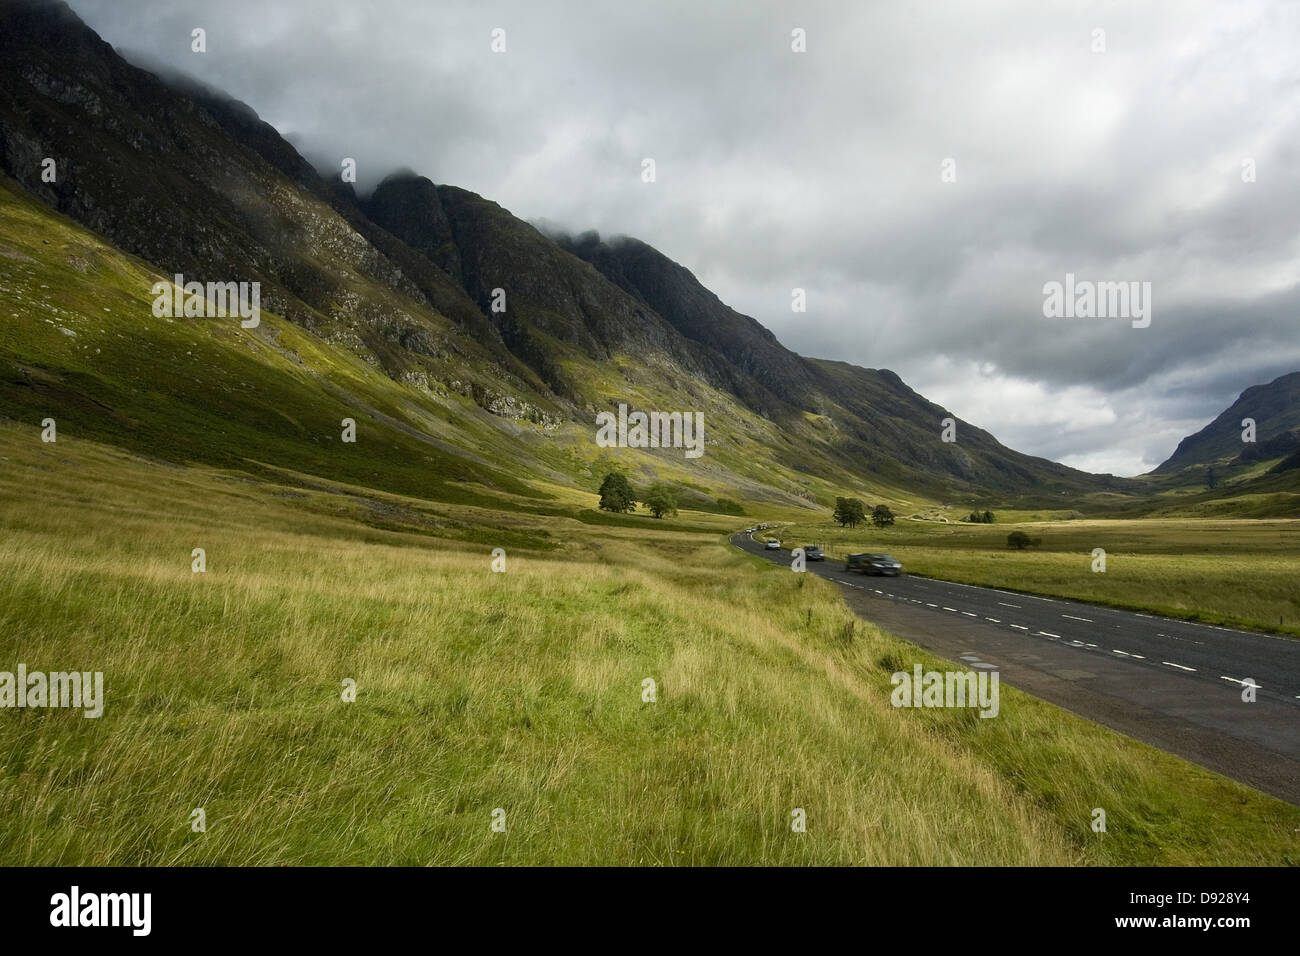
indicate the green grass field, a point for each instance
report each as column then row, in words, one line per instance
column 519, row 690
column 1238, row 572
column 522, row 690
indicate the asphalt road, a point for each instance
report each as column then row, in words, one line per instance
column 1176, row 685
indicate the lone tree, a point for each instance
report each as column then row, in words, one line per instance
column 1018, row 540
column 660, row 500
column 616, row 493
column 881, row 516
column 849, row 511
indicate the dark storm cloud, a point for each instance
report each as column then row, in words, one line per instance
column 821, row 170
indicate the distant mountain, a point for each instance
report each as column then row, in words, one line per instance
column 880, row 425
column 476, row 319
column 1275, row 409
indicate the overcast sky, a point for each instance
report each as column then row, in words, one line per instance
column 823, row 170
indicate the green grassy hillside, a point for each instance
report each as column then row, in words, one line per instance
column 520, row 691
column 80, row 344
column 476, row 691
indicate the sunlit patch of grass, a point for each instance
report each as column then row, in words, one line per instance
column 520, row 690
column 1231, row 571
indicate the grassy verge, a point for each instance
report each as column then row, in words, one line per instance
column 520, row 690
column 1236, row 572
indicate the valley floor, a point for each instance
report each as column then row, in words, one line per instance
column 518, row 698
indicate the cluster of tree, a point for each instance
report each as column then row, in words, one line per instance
column 849, row 511
column 1019, row 540
column 618, row 495
column 977, row 517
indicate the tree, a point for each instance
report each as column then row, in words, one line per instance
column 616, row 493
column 849, row 511
column 660, row 500
column 857, row 511
column 841, row 512
column 881, row 516
column 1018, row 540
column 987, row 517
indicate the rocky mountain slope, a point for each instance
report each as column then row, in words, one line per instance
column 457, row 302
column 869, row 418
column 1275, row 409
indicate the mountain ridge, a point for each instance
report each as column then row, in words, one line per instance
column 406, row 279
column 1275, row 409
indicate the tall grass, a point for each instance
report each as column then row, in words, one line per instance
column 520, row 690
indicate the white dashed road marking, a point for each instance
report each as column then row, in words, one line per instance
column 1244, row 683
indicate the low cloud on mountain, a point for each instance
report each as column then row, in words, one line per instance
column 821, row 170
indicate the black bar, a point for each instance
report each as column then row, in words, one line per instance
column 342, row 906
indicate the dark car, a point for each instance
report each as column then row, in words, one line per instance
column 872, row 564
column 813, row 553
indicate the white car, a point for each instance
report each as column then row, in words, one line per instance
column 773, row 545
